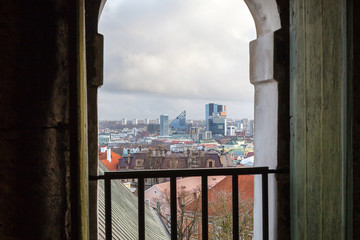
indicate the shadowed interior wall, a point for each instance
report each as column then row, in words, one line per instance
column 319, row 76
column 94, row 69
column 38, row 65
column 354, row 205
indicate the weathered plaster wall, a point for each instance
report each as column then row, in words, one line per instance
column 318, row 77
column 270, row 75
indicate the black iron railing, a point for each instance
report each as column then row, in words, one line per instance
column 173, row 174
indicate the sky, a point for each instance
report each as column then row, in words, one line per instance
column 166, row 56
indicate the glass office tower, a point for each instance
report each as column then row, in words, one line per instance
column 215, row 117
column 164, row 125
column 179, row 123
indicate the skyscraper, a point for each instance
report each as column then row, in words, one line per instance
column 164, row 125
column 124, row 121
column 215, row 117
column 179, row 123
column 230, row 131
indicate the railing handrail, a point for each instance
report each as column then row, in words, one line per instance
column 193, row 172
column 173, row 174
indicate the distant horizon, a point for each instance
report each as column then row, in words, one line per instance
column 191, row 119
column 195, row 109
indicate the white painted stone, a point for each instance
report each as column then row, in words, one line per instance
column 265, row 14
column 265, row 148
column 262, row 59
column 267, row 21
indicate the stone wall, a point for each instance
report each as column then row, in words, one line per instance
column 38, row 52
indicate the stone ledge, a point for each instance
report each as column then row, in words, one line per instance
column 262, row 59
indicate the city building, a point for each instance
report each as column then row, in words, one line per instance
column 217, row 124
column 252, row 127
column 194, row 133
column 230, row 131
column 206, row 135
column 124, row 121
column 179, row 123
column 108, row 158
column 215, row 117
column 135, row 121
column 164, row 125
column 104, row 139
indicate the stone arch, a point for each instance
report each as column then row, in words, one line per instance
column 267, row 22
column 269, row 75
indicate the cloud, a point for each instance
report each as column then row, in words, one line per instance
column 176, row 50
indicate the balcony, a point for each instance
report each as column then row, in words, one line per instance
column 173, row 174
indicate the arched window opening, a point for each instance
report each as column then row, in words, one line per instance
column 261, row 70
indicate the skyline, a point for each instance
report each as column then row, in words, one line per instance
column 163, row 58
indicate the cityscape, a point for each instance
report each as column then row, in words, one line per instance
column 231, row 139
column 175, row 142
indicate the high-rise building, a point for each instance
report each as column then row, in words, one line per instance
column 164, row 125
column 124, row 121
column 146, row 121
column 194, row 133
column 179, row 123
column 248, row 126
column 230, row 131
column 206, row 135
column 215, row 117
column 135, row 121
column 252, row 126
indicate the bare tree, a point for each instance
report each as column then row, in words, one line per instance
column 220, row 215
column 220, row 219
column 188, row 212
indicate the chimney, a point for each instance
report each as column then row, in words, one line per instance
column 128, row 161
column 108, row 155
column 103, row 149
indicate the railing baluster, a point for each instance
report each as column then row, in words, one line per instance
column 235, row 205
column 141, row 206
column 204, row 206
column 204, row 173
column 173, row 200
column 265, row 206
column 108, row 223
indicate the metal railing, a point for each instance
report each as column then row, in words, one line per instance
column 173, row 174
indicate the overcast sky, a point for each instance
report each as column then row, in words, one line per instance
column 166, row 56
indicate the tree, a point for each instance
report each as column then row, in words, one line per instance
column 188, row 215
column 220, row 214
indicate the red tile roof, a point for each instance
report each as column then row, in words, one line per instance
column 113, row 165
column 246, row 186
column 222, row 192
